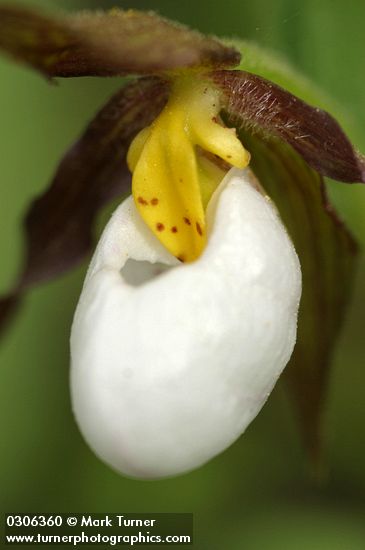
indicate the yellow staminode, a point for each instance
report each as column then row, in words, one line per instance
column 173, row 179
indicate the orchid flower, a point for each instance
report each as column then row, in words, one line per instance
column 188, row 314
column 204, row 342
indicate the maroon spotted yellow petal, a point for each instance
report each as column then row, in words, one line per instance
column 172, row 180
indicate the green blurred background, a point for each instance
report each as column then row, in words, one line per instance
column 258, row 494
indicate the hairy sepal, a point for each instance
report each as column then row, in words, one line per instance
column 262, row 107
column 110, row 43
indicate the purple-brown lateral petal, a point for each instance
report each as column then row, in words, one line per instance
column 59, row 224
column 106, row 43
column 327, row 254
column 261, row 106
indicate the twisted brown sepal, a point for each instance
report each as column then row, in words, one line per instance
column 287, row 139
column 327, row 254
column 59, row 224
column 260, row 106
column 106, row 43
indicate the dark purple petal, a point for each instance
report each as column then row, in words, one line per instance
column 106, row 43
column 327, row 254
column 59, row 224
column 261, row 106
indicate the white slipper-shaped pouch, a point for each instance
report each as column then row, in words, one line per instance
column 172, row 361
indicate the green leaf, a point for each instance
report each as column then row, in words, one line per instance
column 327, row 254
column 59, row 223
column 106, row 43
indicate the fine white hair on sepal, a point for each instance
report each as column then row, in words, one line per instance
column 171, row 361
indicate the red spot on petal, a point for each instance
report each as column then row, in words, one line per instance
column 141, row 200
column 160, row 226
column 187, row 221
column 154, row 201
column 174, row 229
column 199, row 229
